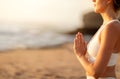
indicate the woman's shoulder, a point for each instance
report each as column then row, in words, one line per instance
column 113, row 27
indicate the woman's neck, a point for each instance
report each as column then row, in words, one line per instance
column 108, row 15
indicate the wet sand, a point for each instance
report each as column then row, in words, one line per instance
column 57, row 62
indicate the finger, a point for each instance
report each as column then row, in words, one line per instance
column 85, row 43
column 79, row 32
column 77, row 36
column 76, row 43
column 79, row 39
column 82, row 38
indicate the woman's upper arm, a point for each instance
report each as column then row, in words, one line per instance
column 107, row 43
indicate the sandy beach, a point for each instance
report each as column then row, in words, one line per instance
column 57, row 62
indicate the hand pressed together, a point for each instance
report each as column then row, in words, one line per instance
column 80, row 46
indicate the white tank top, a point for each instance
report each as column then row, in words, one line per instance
column 93, row 46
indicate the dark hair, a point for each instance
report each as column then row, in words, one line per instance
column 116, row 5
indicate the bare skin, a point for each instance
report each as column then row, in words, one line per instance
column 110, row 72
column 109, row 40
column 99, row 67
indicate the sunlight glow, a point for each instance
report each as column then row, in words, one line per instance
column 42, row 11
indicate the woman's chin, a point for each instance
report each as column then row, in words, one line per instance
column 96, row 11
column 99, row 10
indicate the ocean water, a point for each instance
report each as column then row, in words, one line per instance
column 14, row 37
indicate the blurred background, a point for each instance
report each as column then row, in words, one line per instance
column 36, row 37
column 40, row 23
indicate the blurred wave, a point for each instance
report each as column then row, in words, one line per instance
column 14, row 37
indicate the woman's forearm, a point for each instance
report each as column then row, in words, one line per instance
column 89, row 67
column 86, row 64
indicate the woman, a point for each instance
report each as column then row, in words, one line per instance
column 104, row 47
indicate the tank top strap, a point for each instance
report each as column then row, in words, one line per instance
column 103, row 26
